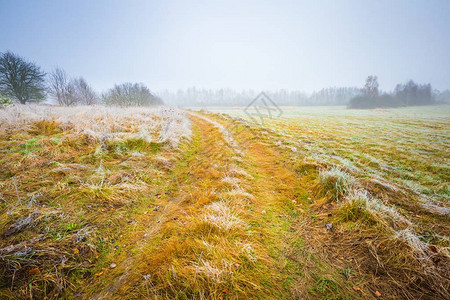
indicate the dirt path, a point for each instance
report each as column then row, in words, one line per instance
column 220, row 232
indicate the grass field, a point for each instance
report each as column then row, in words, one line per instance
column 320, row 203
column 407, row 146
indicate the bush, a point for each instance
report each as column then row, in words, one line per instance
column 335, row 182
column 366, row 101
column 68, row 91
column 4, row 102
column 129, row 94
column 355, row 210
column 412, row 93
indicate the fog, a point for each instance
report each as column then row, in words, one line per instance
column 241, row 45
column 225, row 53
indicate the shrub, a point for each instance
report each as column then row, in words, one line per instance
column 356, row 209
column 336, row 182
column 129, row 94
column 366, row 101
column 4, row 102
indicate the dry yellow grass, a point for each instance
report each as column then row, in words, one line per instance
column 71, row 180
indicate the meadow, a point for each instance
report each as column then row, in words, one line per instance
column 407, row 146
column 163, row 203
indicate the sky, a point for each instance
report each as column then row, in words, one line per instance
column 261, row 45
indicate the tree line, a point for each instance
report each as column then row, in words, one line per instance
column 23, row 81
column 369, row 96
column 404, row 94
column 228, row 97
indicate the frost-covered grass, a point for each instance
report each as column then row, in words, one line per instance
column 404, row 147
column 360, row 205
column 221, row 215
column 153, row 124
column 113, row 196
column 212, row 272
column 71, row 180
column 408, row 146
column 336, row 182
column 387, row 172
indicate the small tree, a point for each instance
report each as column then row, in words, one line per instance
column 84, row 93
column 60, row 88
column 129, row 94
column 371, row 86
column 21, row 80
column 68, row 91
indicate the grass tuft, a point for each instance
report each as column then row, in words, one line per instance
column 335, row 182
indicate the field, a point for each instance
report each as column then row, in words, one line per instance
column 320, row 203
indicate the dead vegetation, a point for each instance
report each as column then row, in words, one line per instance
column 70, row 179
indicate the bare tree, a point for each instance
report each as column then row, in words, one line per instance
column 21, row 80
column 371, row 86
column 61, row 88
column 412, row 93
column 129, row 94
column 85, row 94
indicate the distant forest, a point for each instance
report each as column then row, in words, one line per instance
column 409, row 94
column 229, row 97
column 406, row 94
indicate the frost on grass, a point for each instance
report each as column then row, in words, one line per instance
column 386, row 185
column 239, row 172
column 248, row 251
column 222, row 216
column 345, row 163
column 175, row 126
column 228, row 136
column 336, row 182
column 237, row 193
column 364, row 205
column 213, row 272
column 156, row 124
column 237, row 159
column 231, row 181
column 436, row 209
column 419, row 247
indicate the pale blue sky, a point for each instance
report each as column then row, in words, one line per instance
column 299, row 45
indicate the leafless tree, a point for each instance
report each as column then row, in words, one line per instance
column 412, row 93
column 130, row 94
column 84, row 93
column 61, row 88
column 371, row 86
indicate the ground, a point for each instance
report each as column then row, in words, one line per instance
column 331, row 204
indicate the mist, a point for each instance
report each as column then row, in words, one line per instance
column 259, row 45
